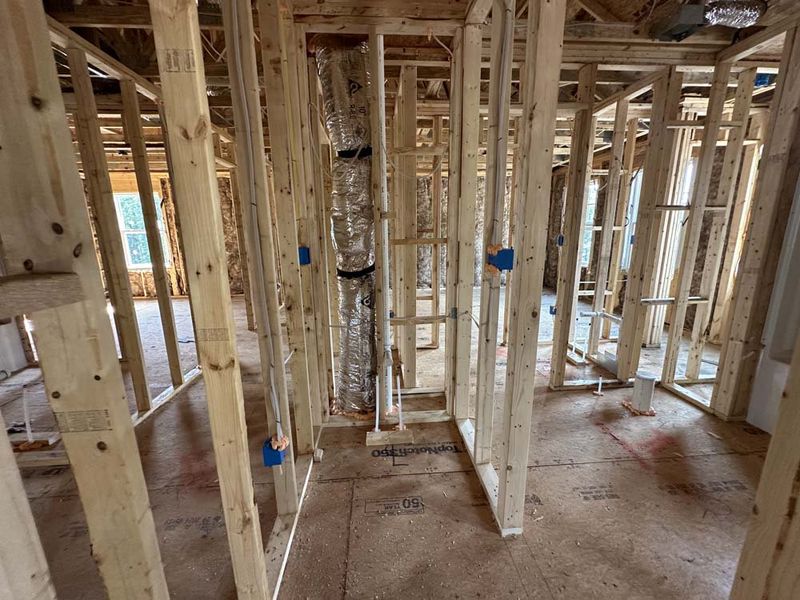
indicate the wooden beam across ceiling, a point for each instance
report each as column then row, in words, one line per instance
column 630, row 92
column 436, row 18
column 580, row 45
column 584, row 42
column 758, row 41
column 598, row 10
column 63, row 37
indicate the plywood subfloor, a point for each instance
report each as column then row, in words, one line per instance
column 617, row 506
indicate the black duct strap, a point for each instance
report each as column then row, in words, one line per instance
column 355, row 274
column 355, row 153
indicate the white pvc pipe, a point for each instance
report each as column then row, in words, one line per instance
column 576, row 345
column 27, row 413
column 377, row 408
column 400, row 404
column 378, row 79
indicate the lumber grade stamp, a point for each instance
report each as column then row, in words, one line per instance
column 408, row 505
column 597, row 492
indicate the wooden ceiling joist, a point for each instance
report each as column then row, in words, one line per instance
column 598, row 10
column 758, row 41
column 630, row 92
column 385, row 25
column 63, row 37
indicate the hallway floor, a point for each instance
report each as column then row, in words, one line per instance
column 617, row 506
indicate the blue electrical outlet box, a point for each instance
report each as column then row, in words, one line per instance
column 763, row 79
column 503, row 260
column 560, row 239
column 553, row 309
column 304, row 254
column 272, row 457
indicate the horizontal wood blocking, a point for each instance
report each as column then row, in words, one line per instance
column 418, row 320
column 432, row 150
column 667, row 301
column 699, row 124
column 418, row 241
column 26, row 294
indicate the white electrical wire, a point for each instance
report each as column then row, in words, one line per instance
column 441, row 43
column 250, row 160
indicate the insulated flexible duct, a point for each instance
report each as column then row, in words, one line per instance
column 735, row 13
column 343, row 74
column 352, row 221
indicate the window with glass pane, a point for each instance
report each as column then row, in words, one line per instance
column 630, row 221
column 134, row 237
column 588, row 223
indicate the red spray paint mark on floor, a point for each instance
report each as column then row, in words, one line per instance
column 502, row 352
column 625, row 445
column 195, row 469
column 658, row 442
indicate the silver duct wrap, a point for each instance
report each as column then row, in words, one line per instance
column 353, row 229
column 357, row 362
column 352, row 220
column 343, row 74
column 734, row 13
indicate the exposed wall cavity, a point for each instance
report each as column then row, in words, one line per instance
column 233, row 258
column 141, row 280
column 705, row 235
column 554, row 227
column 343, row 74
column 424, row 228
column 170, row 213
